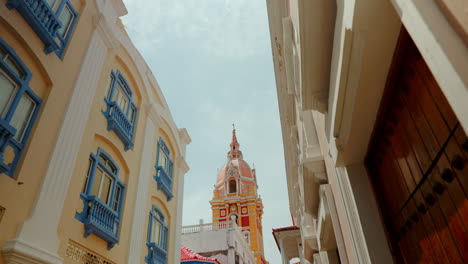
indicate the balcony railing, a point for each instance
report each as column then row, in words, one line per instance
column 164, row 182
column 118, row 121
column 208, row 227
column 6, row 133
column 99, row 219
column 156, row 254
column 41, row 18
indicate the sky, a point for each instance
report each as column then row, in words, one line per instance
column 213, row 62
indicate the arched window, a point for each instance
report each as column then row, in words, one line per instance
column 164, row 169
column 19, row 107
column 232, row 186
column 158, row 235
column 121, row 111
column 102, row 195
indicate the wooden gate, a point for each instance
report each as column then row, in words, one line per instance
column 417, row 162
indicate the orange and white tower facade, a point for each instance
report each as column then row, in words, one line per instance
column 235, row 197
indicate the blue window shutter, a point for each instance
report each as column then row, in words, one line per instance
column 21, row 75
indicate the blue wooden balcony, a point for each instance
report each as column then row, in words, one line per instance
column 6, row 133
column 118, row 121
column 41, row 18
column 99, row 219
column 156, row 255
column 164, row 182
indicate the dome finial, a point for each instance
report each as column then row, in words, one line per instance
column 234, row 151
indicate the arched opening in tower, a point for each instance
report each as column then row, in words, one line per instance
column 232, row 186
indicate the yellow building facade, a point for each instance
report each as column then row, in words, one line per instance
column 235, row 198
column 92, row 163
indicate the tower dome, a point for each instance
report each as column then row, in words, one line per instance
column 235, row 167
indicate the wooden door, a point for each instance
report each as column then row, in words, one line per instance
column 418, row 164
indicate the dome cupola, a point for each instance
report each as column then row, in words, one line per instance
column 235, row 168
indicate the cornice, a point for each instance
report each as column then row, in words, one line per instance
column 184, row 136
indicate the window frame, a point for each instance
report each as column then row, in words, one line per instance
column 21, row 89
column 118, row 79
column 64, row 40
column 163, row 244
column 168, row 169
column 89, row 182
column 99, row 217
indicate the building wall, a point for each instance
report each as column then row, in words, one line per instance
column 340, row 124
column 42, row 198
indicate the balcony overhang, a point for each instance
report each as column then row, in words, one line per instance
column 316, row 31
column 288, row 240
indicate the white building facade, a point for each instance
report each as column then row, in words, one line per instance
column 223, row 241
column 343, row 71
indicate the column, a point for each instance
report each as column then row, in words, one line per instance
column 38, row 241
column 138, row 235
column 182, row 170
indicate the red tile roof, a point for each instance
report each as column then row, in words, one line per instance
column 285, row 228
column 188, row 255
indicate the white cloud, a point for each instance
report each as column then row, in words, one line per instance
column 234, row 28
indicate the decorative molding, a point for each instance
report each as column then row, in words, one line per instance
column 81, row 255
column 18, row 252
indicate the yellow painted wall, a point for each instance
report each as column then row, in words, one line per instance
column 53, row 81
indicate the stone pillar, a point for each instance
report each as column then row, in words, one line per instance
column 182, row 170
column 138, row 235
column 37, row 240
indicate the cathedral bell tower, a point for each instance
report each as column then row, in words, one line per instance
column 235, row 197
